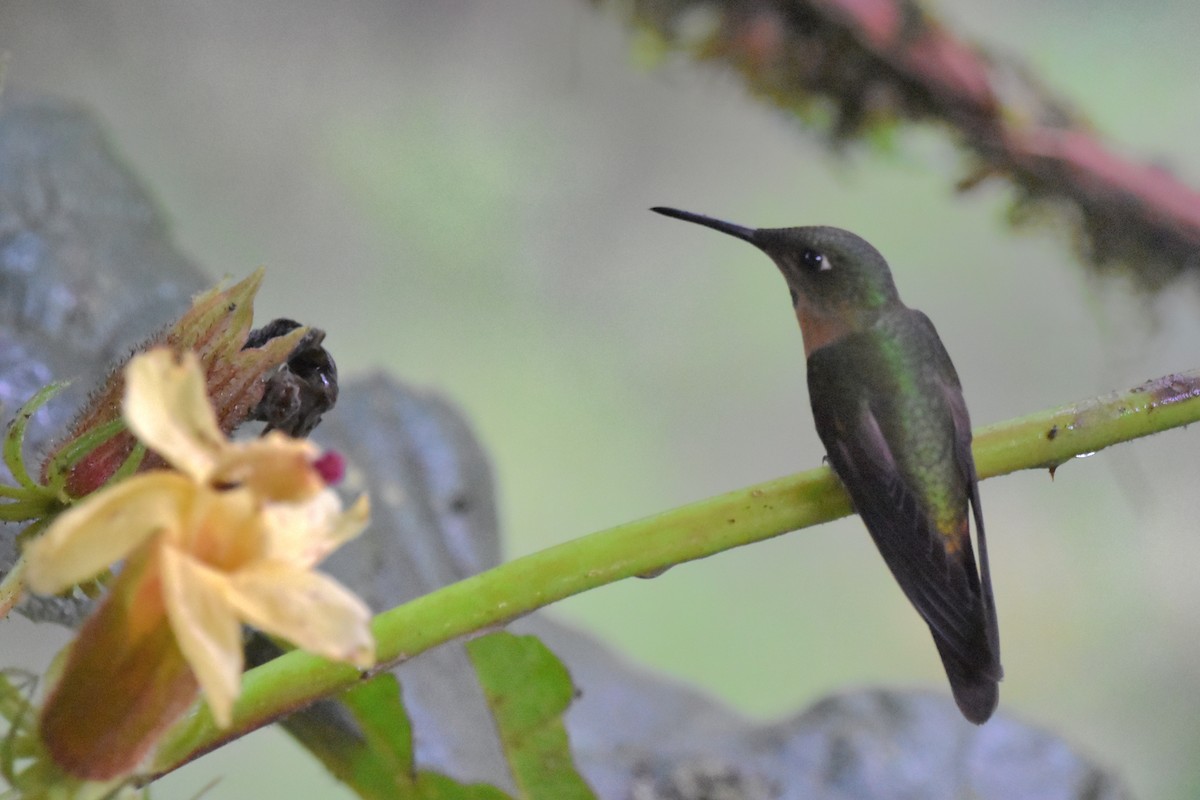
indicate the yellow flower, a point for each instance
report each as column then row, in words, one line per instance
column 230, row 537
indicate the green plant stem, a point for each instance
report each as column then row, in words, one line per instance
column 1043, row 440
column 12, row 586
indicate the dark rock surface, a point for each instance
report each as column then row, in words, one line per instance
column 87, row 269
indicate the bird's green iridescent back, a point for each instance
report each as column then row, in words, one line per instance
column 913, row 375
column 889, row 409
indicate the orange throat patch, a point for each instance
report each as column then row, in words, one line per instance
column 820, row 327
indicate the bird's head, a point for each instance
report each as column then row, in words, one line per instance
column 829, row 269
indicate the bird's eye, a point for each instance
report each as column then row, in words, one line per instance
column 814, row 260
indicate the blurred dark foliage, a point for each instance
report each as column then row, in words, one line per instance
column 878, row 64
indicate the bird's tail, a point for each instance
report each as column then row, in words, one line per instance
column 975, row 682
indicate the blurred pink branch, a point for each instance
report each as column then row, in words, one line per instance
column 879, row 61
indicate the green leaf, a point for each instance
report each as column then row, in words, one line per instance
column 14, row 439
column 432, row 786
column 15, row 690
column 373, row 755
column 528, row 689
column 371, row 752
column 379, row 710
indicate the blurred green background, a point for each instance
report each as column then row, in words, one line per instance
column 457, row 192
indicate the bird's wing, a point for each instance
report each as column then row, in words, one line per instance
column 952, row 393
column 852, row 392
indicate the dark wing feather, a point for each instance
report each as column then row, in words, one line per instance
column 856, row 401
column 966, row 464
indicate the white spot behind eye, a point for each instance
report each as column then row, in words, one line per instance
column 815, row 259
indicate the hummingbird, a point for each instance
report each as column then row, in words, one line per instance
column 889, row 409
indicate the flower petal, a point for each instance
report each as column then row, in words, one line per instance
column 276, row 467
column 104, row 528
column 167, row 407
column 224, row 530
column 205, row 626
column 313, row 611
column 302, row 534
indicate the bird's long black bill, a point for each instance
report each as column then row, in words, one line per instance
column 745, row 234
